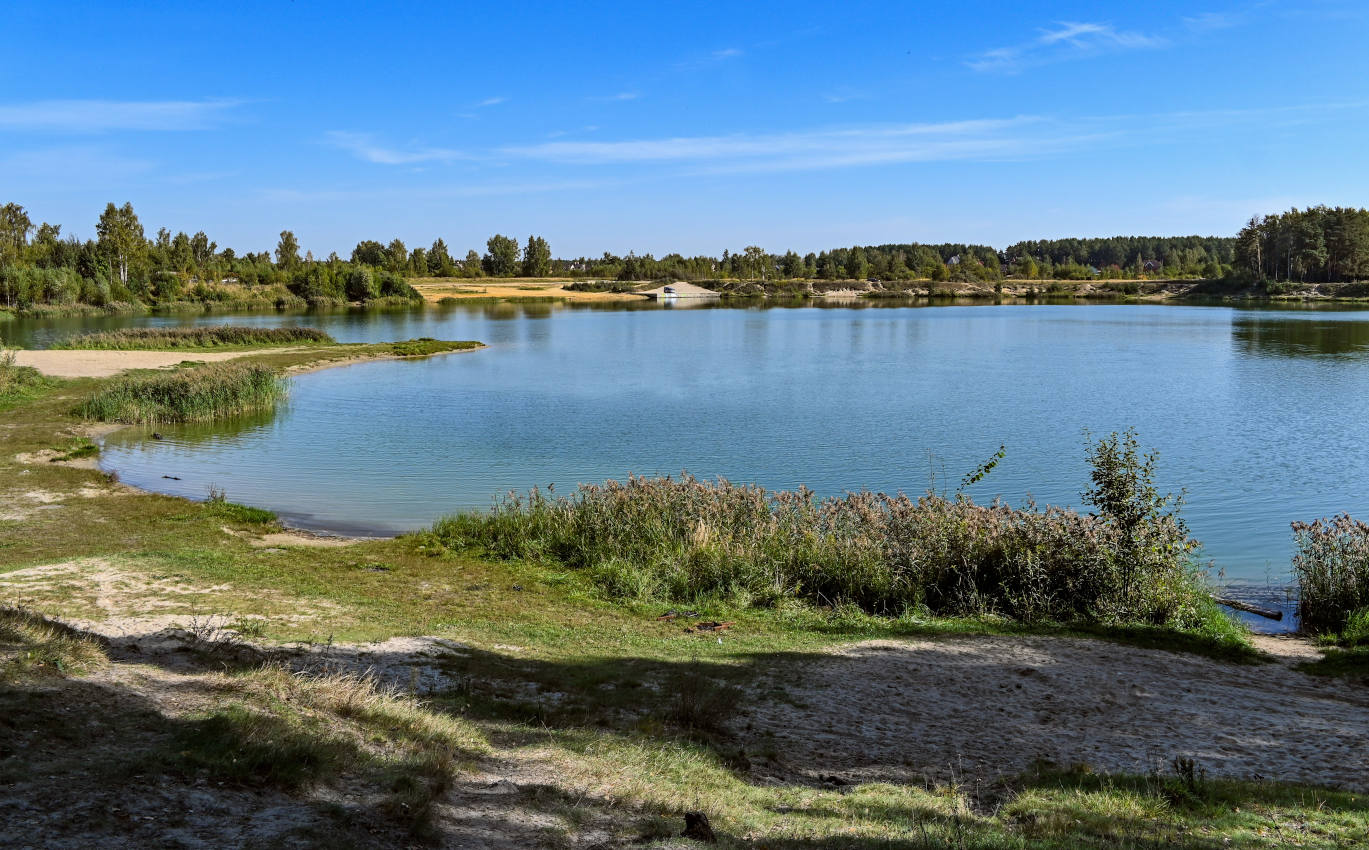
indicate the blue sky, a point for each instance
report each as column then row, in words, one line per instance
column 683, row 126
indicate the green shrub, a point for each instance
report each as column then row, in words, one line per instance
column 1332, row 571
column 686, row 539
column 199, row 394
column 209, row 336
column 18, row 383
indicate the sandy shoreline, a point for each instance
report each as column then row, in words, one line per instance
column 105, row 363
column 64, row 363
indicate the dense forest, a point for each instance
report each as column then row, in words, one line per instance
column 124, row 268
column 1320, row 245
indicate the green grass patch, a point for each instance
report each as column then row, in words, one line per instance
column 427, row 346
column 33, row 646
column 207, row 337
column 19, row 384
column 219, row 506
column 77, row 450
column 198, row 394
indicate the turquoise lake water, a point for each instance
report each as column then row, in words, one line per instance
column 1259, row 413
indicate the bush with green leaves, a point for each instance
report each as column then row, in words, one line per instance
column 198, row 394
column 685, row 539
column 1332, row 571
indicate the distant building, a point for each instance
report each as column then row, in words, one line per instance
column 1151, row 266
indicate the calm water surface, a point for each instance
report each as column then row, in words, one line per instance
column 1260, row 414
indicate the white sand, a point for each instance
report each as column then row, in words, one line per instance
column 102, row 364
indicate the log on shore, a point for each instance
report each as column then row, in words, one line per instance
column 1249, row 608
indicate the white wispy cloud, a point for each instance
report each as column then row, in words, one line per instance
column 1205, row 21
column 1066, row 40
column 428, row 192
column 713, row 58
column 364, row 147
column 491, row 101
column 620, row 96
column 97, row 116
column 816, row 149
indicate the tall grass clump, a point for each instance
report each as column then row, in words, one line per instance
column 17, row 382
column 1332, row 570
column 685, row 539
column 209, row 336
column 187, row 395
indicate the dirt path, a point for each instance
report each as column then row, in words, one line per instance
column 980, row 708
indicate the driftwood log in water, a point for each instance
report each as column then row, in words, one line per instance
column 1271, row 613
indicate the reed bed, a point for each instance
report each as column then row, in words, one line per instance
column 683, row 539
column 198, row 394
column 209, row 336
column 1332, row 571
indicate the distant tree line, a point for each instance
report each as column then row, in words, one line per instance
column 124, row 266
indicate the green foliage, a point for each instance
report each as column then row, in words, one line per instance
column 426, row 346
column 32, row 647
column 1147, row 532
column 1318, row 244
column 502, row 257
column 689, row 540
column 218, row 504
column 198, row 394
column 76, row 450
column 18, row 383
column 1332, row 571
column 208, row 336
column 537, row 257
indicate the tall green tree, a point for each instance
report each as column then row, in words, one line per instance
column 287, row 250
column 119, row 237
column 536, row 257
column 396, row 256
column 756, row 262
column 501, row 259
column 439, row 260
column 472, row 267
column 857, row 266
column 14, row 231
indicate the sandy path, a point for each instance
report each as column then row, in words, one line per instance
column 102, row 364
column 980, row 708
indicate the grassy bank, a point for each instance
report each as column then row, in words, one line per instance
column 198, row 394
column 204, row 338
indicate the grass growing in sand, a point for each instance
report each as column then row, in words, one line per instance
column 17, row 383
column 32, row 646
column 197, row 394
column 205, row 338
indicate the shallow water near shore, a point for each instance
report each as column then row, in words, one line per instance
column 1259, row 413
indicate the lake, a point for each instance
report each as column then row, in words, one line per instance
column 1258, row 413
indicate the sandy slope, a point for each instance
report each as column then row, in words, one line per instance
column 979, row 708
